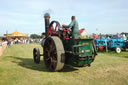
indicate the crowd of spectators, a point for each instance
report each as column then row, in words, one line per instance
column 25, row 41
column 19, row 41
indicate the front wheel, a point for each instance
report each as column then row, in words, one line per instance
column 36, row 55
column 118, row 50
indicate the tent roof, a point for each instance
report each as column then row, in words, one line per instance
column 17, row 34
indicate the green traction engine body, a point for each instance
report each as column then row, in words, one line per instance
column 59, row 48
column 80, row 53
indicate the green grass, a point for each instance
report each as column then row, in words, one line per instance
column 17, row 68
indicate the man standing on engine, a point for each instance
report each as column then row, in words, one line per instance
column 74, row 27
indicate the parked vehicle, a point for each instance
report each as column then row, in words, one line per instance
column 117, row 44
column 101, row 43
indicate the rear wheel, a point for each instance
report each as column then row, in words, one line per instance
column 118, row 49
column 94, row 53
column 54, row 55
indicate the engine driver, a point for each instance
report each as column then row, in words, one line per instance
column 74, row 27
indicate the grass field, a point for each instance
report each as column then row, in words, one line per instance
column 17, row 68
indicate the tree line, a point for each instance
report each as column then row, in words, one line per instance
column 36, row 36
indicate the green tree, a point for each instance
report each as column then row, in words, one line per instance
column 35, row 36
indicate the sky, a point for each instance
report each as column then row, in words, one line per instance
column 96, row 16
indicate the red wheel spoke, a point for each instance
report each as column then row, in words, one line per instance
column 48, row 59
column 53, row 28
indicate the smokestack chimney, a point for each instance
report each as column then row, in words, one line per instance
column 47, row 20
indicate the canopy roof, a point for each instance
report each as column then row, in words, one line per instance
column 17, row 34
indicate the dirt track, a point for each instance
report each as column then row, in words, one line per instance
column 2, row 48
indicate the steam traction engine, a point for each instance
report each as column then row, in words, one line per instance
column 59, row 48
